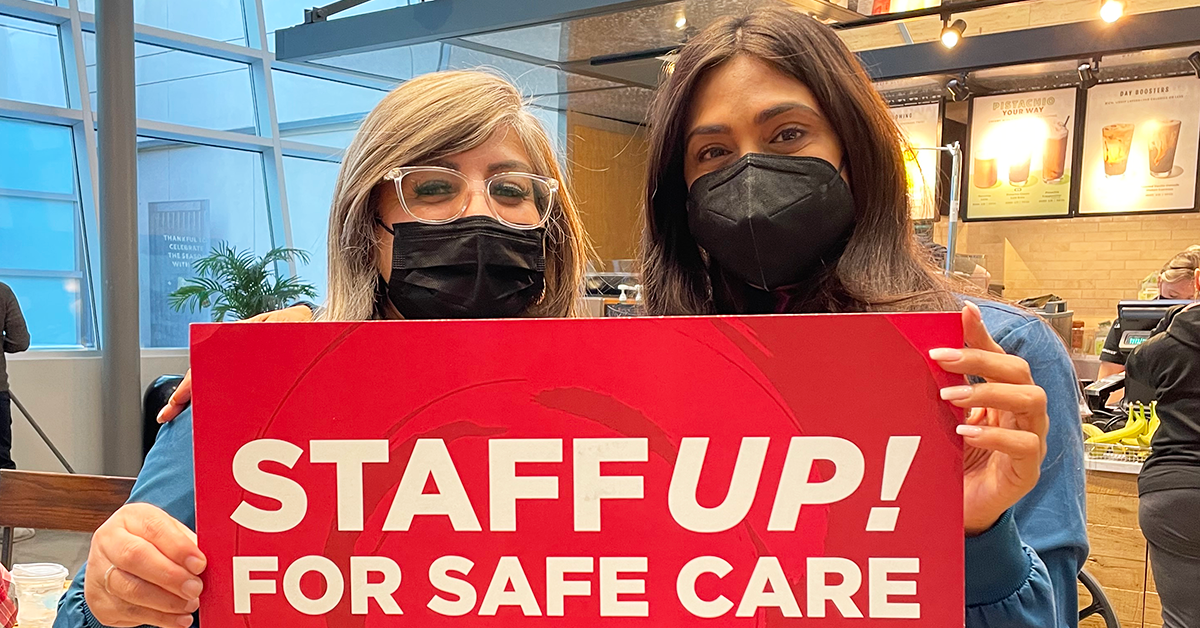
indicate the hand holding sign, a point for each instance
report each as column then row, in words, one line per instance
column 1005, row 433
column 142, row 570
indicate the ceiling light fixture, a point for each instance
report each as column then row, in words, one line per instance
column 1111, row 10
column 1087, row 75
column 952, row 33
column 957, row 88
column 681, row 22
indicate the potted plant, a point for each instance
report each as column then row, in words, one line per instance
column 241, row 284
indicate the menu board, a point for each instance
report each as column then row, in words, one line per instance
column 1139, row 146
column 920, row 125
column 1020, row 155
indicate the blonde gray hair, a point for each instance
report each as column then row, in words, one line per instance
column 428, row 118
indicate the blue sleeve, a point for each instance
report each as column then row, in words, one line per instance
column 1026, row 569
column 166, row 481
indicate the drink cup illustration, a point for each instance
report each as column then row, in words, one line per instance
column 1018, row 170
column 1164, row 138
column 1054, row 155
column 1117, row 139
column 986, row 174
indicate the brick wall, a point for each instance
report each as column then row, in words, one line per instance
column 1090, row 262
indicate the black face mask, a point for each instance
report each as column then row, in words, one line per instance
column 772, row 221
column 473, row 267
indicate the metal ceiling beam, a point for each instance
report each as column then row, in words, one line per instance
column 432, row 21
column 1079, row 40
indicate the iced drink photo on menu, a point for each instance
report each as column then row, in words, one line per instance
column 1164, row 138
column 1018, row 169
column 1054, row 156
column 1117, row 138
column 985, row 172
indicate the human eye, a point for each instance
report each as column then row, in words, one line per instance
column 789, row 134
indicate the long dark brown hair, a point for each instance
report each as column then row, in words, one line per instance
column 882, row 268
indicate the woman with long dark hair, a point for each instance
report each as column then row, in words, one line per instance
column 776, row 184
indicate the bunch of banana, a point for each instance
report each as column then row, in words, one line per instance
column 1133, row 438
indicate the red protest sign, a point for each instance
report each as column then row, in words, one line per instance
column 759, row 470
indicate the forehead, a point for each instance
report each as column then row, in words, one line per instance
column 742, row 87
column 504, row 141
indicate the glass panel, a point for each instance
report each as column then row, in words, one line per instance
column 189, row 199
column 319, row 111
column 214, row 19
column 279, row 14
column 37, row 234
column 309, row 192
column 51, row 307
column 184, row 88
column 31, row 67
column 36, row 157
column 398, row 63
column 628, row 31
column 40, row 239
column 531, row 79
column 626, row 104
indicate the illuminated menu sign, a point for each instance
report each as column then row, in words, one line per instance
column 1140, row 145
column 1020, row 155
column 920, row 124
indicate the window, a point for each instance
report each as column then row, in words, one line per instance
column 31, row 66
column 215, row 19
column 318, row 111
column 185, row 88
column 310, row 191
column 191, row 197
column 41, row 240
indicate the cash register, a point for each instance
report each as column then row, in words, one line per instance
column 1137, row 320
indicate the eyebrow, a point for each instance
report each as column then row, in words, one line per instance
column 511, row 165
column 762, row 117
column 782, row 108
column 712, row 129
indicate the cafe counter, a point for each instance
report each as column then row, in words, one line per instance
column 1118, row 556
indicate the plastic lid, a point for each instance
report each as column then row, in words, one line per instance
column 28, row 572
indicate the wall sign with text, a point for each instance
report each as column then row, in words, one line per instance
column 1140, row 146
column 1019, row 160
column 921, row 124
column 525, row 473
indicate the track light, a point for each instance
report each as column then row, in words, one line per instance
column 1087, row 75
column 952, row 33
column 957, row 88
column 1111, row 10
column 1194, row 59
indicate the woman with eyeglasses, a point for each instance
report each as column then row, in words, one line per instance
column 449, row 204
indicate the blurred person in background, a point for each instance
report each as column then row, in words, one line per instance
column 1175, row 282
column 15, row 337
column 1169, row 482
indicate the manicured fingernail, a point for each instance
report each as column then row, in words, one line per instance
column 956, row 393
column 945, row 355
column 974, row 309
column 969, row 430
column 184, row 621
column 192, row 588
column 192, row 606
column 194, row 565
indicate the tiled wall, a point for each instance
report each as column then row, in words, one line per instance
column 1090, row 262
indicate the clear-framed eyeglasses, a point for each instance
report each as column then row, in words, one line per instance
column 436, row 195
